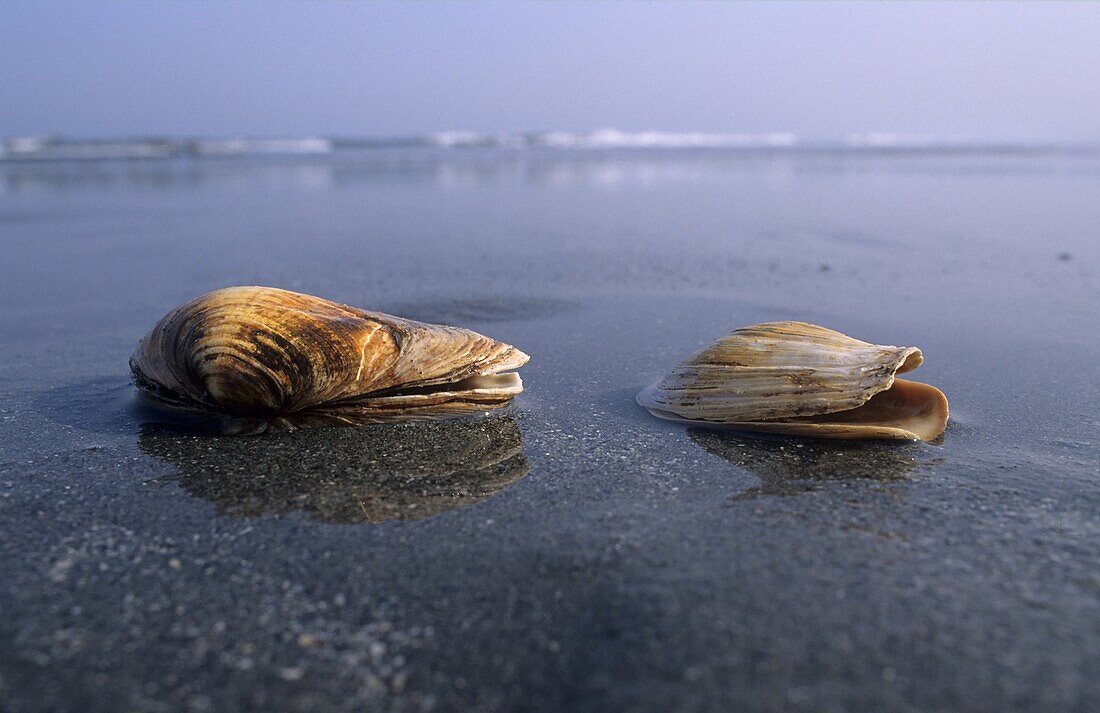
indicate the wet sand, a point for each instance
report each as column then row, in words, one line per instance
column 571, row 553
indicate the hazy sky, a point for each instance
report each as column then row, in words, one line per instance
column 968, row 70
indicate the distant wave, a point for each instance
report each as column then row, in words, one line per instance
column 46, row 149
column 612, row 139
column 888, row 140
column 54, row 149
column 233, row 147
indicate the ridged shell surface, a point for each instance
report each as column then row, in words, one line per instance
column 263, row 351
column 789, row 377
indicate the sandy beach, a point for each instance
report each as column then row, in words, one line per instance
column 572, row 552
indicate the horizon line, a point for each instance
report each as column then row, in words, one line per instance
column 60, row 147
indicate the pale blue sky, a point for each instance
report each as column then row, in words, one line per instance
column 969, row 70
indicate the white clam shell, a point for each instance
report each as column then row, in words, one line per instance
column 800, row 379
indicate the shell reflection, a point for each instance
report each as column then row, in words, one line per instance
column 372, row 474
column 791, row 468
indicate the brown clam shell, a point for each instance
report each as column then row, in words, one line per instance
column 291, row 359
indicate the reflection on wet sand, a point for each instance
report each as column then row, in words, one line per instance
column 790, row 467
column 472, row 167
column 348, row 475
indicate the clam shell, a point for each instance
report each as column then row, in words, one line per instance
column 292, row 359
column 800, row 379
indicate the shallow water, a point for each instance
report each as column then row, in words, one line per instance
column 573, row 552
